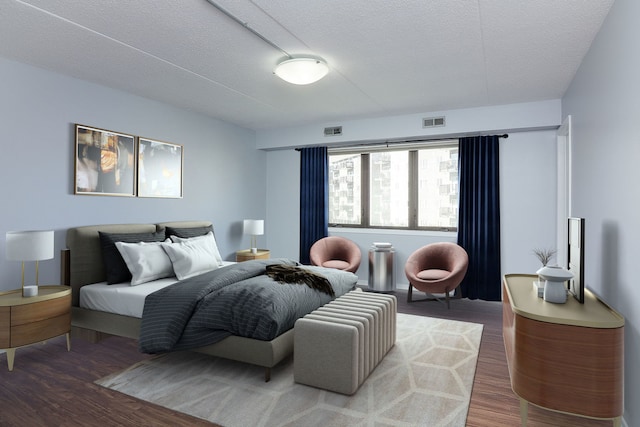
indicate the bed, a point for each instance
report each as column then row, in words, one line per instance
column 83, row 265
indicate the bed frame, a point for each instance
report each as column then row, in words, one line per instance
column 82, row 265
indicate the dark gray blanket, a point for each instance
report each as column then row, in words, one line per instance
column 239, row 299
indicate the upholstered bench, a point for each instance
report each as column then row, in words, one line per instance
column 337, row 346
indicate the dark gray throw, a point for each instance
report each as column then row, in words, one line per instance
column 239, row 299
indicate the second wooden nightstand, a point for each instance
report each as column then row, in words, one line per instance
column 28, row 320
column 246, row 255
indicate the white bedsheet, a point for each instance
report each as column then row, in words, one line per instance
column 121, row 298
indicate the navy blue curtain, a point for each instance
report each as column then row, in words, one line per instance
column 479, row 216
column 314, row 198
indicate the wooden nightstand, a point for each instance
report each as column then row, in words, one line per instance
column 28, row 320
column 246, row 255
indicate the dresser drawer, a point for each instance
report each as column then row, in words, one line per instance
column 28, row 333
column 5, row 317
column 38, row 311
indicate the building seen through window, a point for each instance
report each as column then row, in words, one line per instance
column 413, row 187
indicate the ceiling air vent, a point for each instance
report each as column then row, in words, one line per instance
column 432, row 122
column 333, row 131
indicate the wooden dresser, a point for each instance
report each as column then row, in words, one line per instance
column 564, row 357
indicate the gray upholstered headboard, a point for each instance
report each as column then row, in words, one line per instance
column 183, row 224
column 82, row 260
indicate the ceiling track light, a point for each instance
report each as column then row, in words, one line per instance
column 298, row 69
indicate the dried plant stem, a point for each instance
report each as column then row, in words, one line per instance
column 544, row 255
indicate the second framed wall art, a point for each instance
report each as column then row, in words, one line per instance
column 159, row 169
column 116, row 164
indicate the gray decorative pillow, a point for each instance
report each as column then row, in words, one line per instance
column 114, row 266
column 186, row 233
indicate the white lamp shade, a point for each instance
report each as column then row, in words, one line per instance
column 29, row 245
column 302, row 71
column 254, row 227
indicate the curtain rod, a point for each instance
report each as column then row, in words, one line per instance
column 405, row 141
column 408, row 141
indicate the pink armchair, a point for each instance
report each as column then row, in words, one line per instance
column 336, row 252
column 437, row 268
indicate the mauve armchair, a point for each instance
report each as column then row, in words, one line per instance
column 437, row 268
column 336, row 252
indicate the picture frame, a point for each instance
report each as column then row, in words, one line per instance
column 160, row 167
column 575, row 257
column 105, row 162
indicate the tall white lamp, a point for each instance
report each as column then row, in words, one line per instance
column 254, row 227
column 29, row 246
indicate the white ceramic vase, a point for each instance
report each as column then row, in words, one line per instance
column 554, row 288
column 555, row 292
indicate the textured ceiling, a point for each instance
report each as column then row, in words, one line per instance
column 386, row 57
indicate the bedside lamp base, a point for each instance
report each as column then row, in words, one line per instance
column 29, row 291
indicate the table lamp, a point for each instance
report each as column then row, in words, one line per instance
column 29, row 246
column 254, row 227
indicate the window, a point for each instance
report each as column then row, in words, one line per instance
column 344, row 189
column 407, row 187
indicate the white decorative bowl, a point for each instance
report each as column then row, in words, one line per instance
column 554, row 273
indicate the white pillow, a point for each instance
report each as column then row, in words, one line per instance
column 193, row 256
column 146, row 261
column 206, row 237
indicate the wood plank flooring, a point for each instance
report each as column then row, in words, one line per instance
column 493, row 403
column 52, row 387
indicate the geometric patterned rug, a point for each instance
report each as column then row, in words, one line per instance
column 424, row 380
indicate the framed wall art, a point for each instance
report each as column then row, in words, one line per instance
column 159, row 169
column 105, row 162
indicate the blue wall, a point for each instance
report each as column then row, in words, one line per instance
column 527, row 181
column 223, row 171
column 604, row 102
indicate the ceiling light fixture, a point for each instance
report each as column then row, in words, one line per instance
column 299, row 69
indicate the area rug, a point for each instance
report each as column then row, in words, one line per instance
column 424, row 380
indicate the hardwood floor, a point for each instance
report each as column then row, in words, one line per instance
column 52, row 387
column 493, row 403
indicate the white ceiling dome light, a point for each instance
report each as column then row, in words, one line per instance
column 302, row 70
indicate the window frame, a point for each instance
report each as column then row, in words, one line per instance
column 412, row 177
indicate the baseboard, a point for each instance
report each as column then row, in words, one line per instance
column 364, row 284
